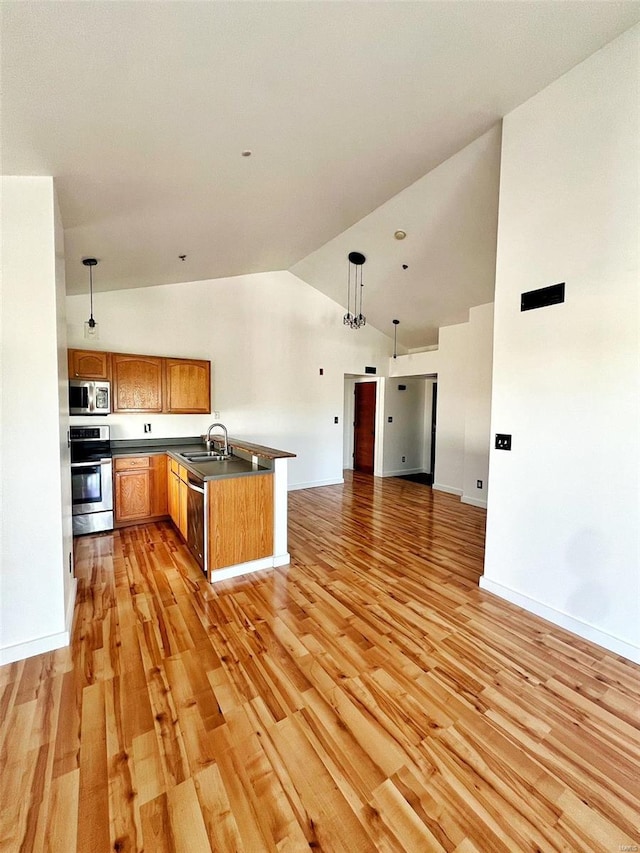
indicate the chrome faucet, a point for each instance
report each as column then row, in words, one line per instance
column 226, row 437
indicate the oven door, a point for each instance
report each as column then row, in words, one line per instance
column 91, row 486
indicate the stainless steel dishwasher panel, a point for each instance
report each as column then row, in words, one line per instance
column 196, row 502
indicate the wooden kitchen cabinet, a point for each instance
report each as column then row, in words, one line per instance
column 187, row 386
column 137, row 382
column 240, row 520
column 177, row 495
column 173, row 491
column 158, row 485
column 89, row 364
column 140, row 488
column 147, row 383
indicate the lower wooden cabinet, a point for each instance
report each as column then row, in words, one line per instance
column 240, row 520
column 140, row 488
column 177, row 495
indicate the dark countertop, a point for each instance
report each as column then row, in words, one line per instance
column 236, row 466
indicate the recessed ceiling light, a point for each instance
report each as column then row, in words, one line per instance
column 247, row 153
column 400, row 234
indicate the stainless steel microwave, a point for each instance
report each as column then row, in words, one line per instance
column 89, row 397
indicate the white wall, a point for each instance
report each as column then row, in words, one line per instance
column 36, row 593
column 267, row 336
column 563, row 514
column 404, row 436
column 477, row 423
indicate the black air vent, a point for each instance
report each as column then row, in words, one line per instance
column 370, row 370
column 552, row 295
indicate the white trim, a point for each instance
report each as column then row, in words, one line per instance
column 450, row 490
column 41, row 645
column 281, row 560
column 34, row 647
column 315, row 484
column 71, row 606
column 402, row 471
column 563, row 620
column 474, row 502
column 241, row 569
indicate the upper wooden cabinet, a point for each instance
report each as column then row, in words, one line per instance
column 148, row 383
column 188, row 386
column 89, row 364
column 137, row 383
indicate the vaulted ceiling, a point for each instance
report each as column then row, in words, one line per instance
column 361, row 118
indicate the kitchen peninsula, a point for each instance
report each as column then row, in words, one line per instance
column 231, row 511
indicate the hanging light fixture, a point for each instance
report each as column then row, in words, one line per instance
column 395, row 337
column 91, row 263
column 355, row 318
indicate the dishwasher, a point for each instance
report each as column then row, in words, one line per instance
column 196, row 520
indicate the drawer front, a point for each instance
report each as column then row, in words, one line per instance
column 174, row 466
column 131, row 463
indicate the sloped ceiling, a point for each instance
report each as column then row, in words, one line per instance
column 141, row 111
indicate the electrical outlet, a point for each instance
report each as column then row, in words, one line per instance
column 478, row 484
column 404, row 458
column 216, row 415
column 503, row 441
column 147, row 427
column 335, row 420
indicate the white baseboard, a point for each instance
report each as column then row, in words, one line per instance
column 39, row 646
column 315, row 484
column 401, row 471
column 450, row 490
column 474, row 502
column 563, row 620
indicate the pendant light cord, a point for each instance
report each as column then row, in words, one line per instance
column 91, row 292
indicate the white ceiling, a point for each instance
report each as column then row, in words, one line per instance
column 141, row 111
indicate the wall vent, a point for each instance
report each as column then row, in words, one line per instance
column 552, row 295
column 370, row 370
column 402, row 387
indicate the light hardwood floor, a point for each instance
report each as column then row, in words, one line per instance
column 367, row 697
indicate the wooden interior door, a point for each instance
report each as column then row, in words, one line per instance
column 364, row 431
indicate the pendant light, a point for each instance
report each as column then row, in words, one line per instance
column 395, row 337
column 355, row 319
column 91, row 263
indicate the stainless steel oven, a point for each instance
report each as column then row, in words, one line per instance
column 91, row 479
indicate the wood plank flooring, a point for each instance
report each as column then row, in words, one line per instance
column 367, row 697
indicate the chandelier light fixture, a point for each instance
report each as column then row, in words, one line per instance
column 395, row 337
column 91, row 263
column 355, row 318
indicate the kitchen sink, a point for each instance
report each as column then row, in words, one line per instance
column 205, row 456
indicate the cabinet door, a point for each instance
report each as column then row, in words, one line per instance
column 88, row 364
column 158, row 484
column 137, row 383
column 173, row 486
column 240, row 520
column 182, row 501
column 133, row 495
column 188, row 386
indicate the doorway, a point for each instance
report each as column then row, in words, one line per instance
column 434, row 406
column 364, row 427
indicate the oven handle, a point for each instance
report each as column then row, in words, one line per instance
column 90, row 464
column 195, row 488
